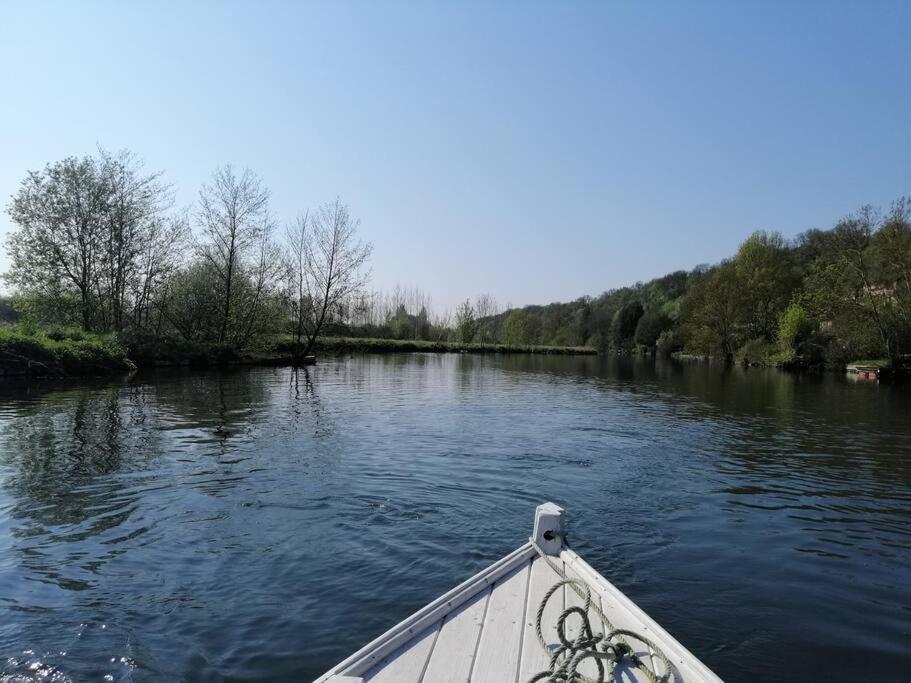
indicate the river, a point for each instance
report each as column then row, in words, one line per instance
column 263, row 523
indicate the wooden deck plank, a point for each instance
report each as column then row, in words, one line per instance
column 381, row 647
column 492, row 617
column 497, row 658
column 534, row 659
column 407, row 663
column 454, row 652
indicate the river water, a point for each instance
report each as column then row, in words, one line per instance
column 261, row 524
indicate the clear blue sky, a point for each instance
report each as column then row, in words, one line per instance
column 538, row 151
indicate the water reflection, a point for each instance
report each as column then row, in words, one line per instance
column 192, row 525
column 303, row 399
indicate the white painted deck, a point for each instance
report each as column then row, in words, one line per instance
column 483, row 631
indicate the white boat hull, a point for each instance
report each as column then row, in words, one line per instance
column 485, row 628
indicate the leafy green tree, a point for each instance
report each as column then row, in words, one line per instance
column 830, row 296
column 623, row 326
column 892, row 246
column 764, row 269
column 191, row 306
column 856, row 260
column 650, row 327
column 400, row 324
column 95, row 229
column 8, row 311
column 857, row 287
column 466, row 322
column 668, row 342
column 422, row 324
column 520, row 329
column 711, row 313
column 794, row 329
column 60, row 215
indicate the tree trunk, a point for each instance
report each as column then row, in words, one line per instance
column 227, row 307
column 86, row 312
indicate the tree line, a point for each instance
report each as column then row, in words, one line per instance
column 98, row 244
column 825, row 297
column 407, row 313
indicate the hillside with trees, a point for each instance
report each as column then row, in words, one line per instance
column 824, row 298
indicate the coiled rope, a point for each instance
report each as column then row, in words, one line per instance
column 608, row 648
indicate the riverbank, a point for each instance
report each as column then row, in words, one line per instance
column 284, row 351
column 60, row 354
column 76, row 353
column 370, row 345
column 878, row 368
column 71, row 352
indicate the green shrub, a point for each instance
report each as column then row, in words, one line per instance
column 756, row 352
column 794, row 328
column 650, row 327
column 42, row 354
column 668, row 342
column 66, row 333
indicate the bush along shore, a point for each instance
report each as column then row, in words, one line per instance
column 60, row 354
column 878, row 368
column 71, row 352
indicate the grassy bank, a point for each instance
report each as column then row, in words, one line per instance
column 878, row 363
column 146, row 351
column 60, row 353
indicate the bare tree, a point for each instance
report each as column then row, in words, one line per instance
column 233, row 213
column 485, row 308
column 263, row 275
column 854, row 236
column 161, row 254
column 334, row 270
column 297, row 235
column 135, row 216
column 440, row 325
column 485, row 305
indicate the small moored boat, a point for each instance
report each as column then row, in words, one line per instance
column 539, row 614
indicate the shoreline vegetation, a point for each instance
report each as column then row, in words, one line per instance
column 106, row 273
column 74, row 353
column 60, row 354
column 371, row 345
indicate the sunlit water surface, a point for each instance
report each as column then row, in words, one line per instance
column 264, row 523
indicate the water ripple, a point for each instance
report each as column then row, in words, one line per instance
column 263, row 523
